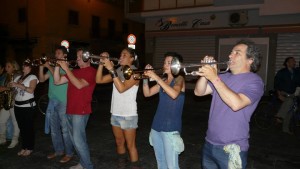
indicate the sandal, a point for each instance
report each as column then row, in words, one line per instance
column 21, row 152
column 27, row 153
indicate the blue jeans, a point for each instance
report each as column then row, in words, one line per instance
column 9, row 129
column 165, row 154
column 59, row 130
column 214, row 157
column 77, row 125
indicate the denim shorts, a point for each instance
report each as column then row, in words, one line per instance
column 129, row 122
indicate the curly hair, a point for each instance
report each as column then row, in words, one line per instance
column 253, row 52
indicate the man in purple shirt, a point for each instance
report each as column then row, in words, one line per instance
column 235, row 97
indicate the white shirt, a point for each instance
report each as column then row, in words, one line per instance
column 22, row 95
column 124, row 104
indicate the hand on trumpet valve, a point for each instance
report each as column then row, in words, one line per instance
column 149, row 72
column 209, row 71
column 63, row 64
column 104, row 59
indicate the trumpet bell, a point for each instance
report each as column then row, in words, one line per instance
column 43, row 59
column 86, row 55
column 175, row 66
column 127, row 72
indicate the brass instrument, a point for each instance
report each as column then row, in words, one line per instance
column 52, row 61
column 176, row 66
column 137, row 74
column 9, row 95
column 95, row 59
column 42, row 60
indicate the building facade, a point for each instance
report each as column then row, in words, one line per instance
column 195, row 28
column 30, row 28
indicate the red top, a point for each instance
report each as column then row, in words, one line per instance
column 79, row 100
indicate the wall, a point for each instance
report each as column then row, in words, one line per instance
column 48, row 24
column 216, row 20
column 278, row 7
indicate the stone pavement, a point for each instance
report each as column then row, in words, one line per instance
column 269, row 149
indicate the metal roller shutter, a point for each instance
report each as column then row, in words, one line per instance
column 287, row 45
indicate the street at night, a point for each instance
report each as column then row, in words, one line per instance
column 269, row 149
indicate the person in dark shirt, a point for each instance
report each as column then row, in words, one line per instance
column 286, row 81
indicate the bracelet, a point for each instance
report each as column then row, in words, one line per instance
column 145, row 81
column 217, row 80
column 113, row 73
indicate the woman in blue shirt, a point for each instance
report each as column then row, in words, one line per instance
column 166, row 127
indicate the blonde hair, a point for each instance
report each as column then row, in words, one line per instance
column 14, row 64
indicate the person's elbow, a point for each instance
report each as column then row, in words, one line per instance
column 81, row 85
column 99, row 81
column 235, row 108
column 146, row 94
column 174, row 96
column 31, row 92
column 238, row 106
column 197, row 93
column 121, row 90
column 56, row 81
column 42, row 80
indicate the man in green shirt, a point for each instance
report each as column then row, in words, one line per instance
column 56, row 111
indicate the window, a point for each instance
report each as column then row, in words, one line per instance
column 111, row 28
column 95, row 26
column 22, row 15
column 73, row 17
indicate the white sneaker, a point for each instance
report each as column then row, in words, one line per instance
column 13, row 144
column 78, row 166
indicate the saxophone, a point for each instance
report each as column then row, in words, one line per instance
column 9, row 95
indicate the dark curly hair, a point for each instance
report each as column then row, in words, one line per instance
column 253, row 52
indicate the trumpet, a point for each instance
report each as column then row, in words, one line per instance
column 176, row 66
column 137, row 74
column 52, row 61
column 42, row 60
column 95, row 59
